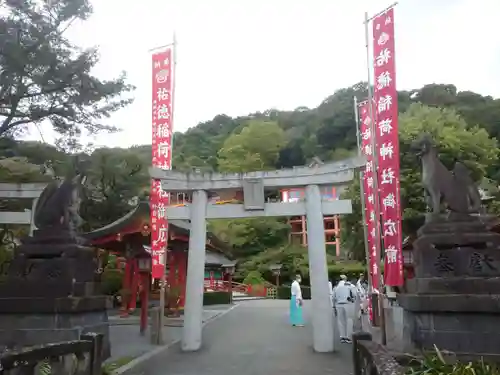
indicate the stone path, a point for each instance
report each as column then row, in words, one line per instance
column 252, row 339
column 127, row 342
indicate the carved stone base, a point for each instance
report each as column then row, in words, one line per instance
column 468, row 325
column 50, row 293
column 454, row 300
column 456, row 249
column 453, row 285
column 57, row 270
column 35, row 321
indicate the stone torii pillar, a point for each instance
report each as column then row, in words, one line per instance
column 253, row 185
column 193, row 305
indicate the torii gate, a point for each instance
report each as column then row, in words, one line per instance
column 253, row 185
column 21, row 191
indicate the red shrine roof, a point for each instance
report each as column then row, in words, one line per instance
column 136, row 221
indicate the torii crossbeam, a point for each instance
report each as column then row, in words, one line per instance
column 253, row 185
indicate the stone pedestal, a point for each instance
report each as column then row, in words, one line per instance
column 454, row 300
column 50, row 294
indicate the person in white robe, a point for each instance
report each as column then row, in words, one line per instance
column 296, row 318
column 362, row 293
column 330, row 286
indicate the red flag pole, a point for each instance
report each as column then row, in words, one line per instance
column 163, row 156
column 381, row 138
column 374, row 146
column 163, row 280
column 362, row 194
column 361, row 186
column 379, row 13
column 374, row 273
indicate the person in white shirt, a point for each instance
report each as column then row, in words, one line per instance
column 342, row 296
column 296, row 318
column 361, row 291
column 330, row 286
column 360, row 287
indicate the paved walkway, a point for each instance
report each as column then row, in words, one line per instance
column 253, row 339
column 126, row 342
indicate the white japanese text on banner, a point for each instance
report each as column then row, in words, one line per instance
column 372, row 215
column 386, row 109
column 161, row 155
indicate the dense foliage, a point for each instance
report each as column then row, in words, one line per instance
column 464, row 126
column 455, row 139
column 438, row 364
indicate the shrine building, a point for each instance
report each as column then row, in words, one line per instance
column 130, row 237
column 298, row 233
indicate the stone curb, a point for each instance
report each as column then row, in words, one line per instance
column 239, row 299
column 131, row 322
column 132, row 367
column 169, row 322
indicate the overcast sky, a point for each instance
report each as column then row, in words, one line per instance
column 237, row 57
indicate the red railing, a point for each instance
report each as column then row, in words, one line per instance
column 220, row 285
column 250, row 290
column 238, row 287
column 257, row 290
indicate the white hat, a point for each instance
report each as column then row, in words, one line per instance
column 343, row 277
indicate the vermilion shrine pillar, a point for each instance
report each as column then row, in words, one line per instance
column 177, row 264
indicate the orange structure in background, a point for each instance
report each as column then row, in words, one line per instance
column 298, row 233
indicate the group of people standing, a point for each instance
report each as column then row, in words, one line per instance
column 342, row 298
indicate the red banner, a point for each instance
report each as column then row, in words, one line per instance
column 161, row 155
column 372, row 215
column 386, row 105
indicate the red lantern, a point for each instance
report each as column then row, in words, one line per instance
column 146, row 230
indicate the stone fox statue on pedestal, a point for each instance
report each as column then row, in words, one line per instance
column 455, row 188
column 59, row 205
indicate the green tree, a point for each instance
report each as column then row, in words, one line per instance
column 20, row 170
column 351, row 229
column 248, row 237
column 39, row 153
column 117, row 179
column 454, row 139
column 256, row 147
column 254, row 278
column 43, row 77
column 197, row 148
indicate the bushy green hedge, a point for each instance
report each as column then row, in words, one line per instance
column 351, row 270
column 111, row 281
column 254, row 278
column 284, row 292
column 216, row 298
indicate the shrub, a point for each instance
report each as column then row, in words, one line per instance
column 254, row 278
column 111, row 281
column 437, row 365
column 352, row 271
column 284, row 292
column 257, row 290
column 216, row 298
